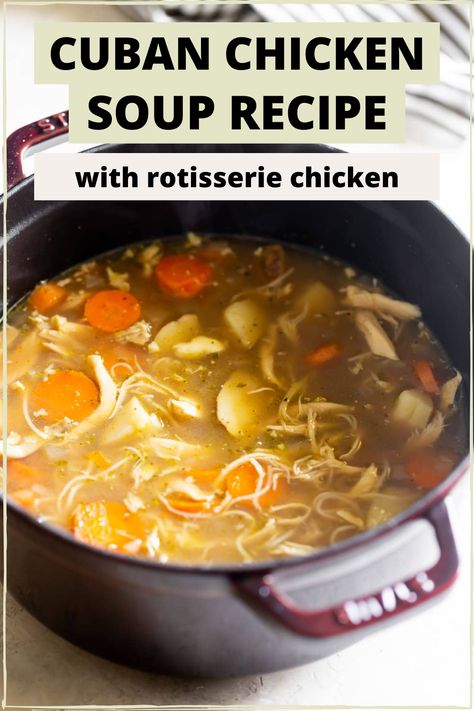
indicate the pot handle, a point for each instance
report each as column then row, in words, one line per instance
column 371, row 609
column 24, row 139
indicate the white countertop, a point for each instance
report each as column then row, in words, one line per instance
column 422, row 662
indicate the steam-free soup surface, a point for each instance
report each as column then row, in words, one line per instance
column 210, row 401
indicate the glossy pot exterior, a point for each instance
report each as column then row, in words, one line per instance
column 233, row 621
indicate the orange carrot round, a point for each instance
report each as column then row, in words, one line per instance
column 107, row 524
column 182, row 275
column 112, row 310
column 243, row 481
column 186, row 505
column 428, row 467
column 66, row 393
column 324, row 354
column 424, row 373
column 46, row 297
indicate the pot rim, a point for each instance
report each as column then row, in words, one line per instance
column 417, row 509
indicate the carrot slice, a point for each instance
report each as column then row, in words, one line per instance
column 190, row 505
column 46, row 296
column 66, row 393
column 324, row 354
column 112, row 310
column 428, row 467
column 107, row 524
column 22, row 475
column 182, row 275
column 243, row 481
column 205, row 476
column 424, row 373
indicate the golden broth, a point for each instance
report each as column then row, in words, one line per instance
column 205, row 401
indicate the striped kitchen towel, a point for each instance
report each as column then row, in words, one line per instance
column 445, row 105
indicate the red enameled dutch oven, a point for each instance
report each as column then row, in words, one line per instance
column 231, row 620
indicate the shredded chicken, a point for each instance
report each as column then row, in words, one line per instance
column 368, row 482
column 143, row 472
column 139, row 333
column 63, row 336
column 448, row 392
column 168, row 448
column 61, row 323
column 75, row 299
column 177, row 485
column 108, row 396
column 133, row 502
column 429, row 435
column 322, row 407
column 118, row 280
column 149, row 258
column 277, row 288
column 19, row 447
column 384, row 385
column 288, row 323
column 379, row 302
column 377, row 339
column 267, row 357
column 184, row 407
column 356, row 521
column 293, row 549
column 38, row 320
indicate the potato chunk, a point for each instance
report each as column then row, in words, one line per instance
column 181, row 330
column 199, row 347
column 318, row 298
column 413, row 408
column 242, row 404
column 247, row 321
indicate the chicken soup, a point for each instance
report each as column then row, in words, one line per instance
column 206, row 401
